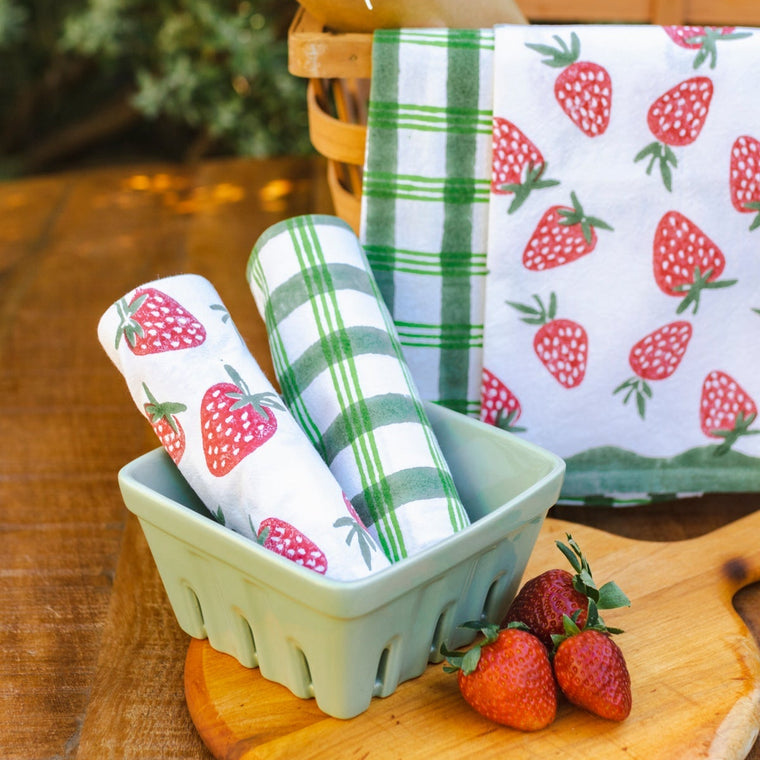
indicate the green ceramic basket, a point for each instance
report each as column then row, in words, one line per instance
column 346, row 642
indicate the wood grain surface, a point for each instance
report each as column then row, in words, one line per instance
column 92, row 664
column 695, row 671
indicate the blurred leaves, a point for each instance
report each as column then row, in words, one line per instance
column 206, row 77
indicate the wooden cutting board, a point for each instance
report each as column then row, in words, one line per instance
column 695, row 670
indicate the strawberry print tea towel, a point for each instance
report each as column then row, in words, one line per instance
column 221, row 421
column 424, row 219
column 343, row 375
column 623, row 300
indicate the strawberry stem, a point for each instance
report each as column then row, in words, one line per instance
column 468, row 661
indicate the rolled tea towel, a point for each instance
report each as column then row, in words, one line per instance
column 341, row 369
column 221, row 421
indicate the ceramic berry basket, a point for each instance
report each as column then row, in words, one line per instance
column 345, row 642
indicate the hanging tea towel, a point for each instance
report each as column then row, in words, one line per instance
column 624, row 256
column 221, row 421
column 424, row 215
column 343, row 375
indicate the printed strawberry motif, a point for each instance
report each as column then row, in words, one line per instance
column 507, row 677
column 167, row 427
column 357, row 529
column 517, row 166
column 675, row 119
column 153, row 322
column 287, row 541
column 563, row 235
column 499, row 406
column 686, row 261
column 235, row 422
column 560, row 344
column 655, row 357
column 703, row 39
column 591, row 671
column 545, row 599
column 583, row 90
column 726, row 410
column 744, row 177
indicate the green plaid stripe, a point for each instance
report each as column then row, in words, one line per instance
column 450, row 339
column 338, row 350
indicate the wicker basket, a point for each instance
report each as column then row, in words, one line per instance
column 339, row 66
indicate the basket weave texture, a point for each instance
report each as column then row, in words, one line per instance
column 339, row 67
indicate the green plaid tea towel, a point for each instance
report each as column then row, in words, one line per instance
column 344, row 378
column 425, row 200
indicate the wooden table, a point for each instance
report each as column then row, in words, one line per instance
column 92, row 657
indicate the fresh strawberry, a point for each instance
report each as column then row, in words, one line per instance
column 507, row 678
column 703, row 39
column 517, row 165
column 675, row 119
column 686, row 261
column 591, row 672
column 545, row 599
column 283, row 539
column 499, row 406
column 744, row 179
column 167, row 427
column 235, row 422
column 563, row 234
column 583, row 90
column 561, row 345
column 655, row 357
column 726, row 410
column 356, row 528
column 153, row 322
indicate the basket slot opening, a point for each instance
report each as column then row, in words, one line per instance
column 194, row 608
column 382, row 670
column 303, row 665
column 247, row 642
column 494, row 601
column 439, row 634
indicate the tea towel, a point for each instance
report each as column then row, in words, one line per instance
column 343, row 375
column 623, row 304
column 425, row 200
column 221, row 421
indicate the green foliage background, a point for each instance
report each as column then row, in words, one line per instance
column 161, row 78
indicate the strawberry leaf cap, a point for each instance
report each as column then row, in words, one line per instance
column 533, row 181
column 663, row 155
column 637, row 388
column 607, row 597
column 693, row 290
column 162, row 411
column 129, row 328
column 538, row 314
column 578, row 216
column 259, row 401
column 468, row 661
column 730, row 437
column 707, row 44
column 754, row 206
column 561, row 56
